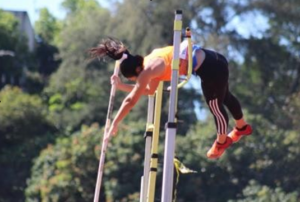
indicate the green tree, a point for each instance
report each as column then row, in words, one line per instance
column 150, row 27
column 292, row 110
column 76, row 92
column 67, row 170
column 270, row 75
column 74, row 6
column 24, row 130
column 47, row 29
column 256, row 192
column 47, row 26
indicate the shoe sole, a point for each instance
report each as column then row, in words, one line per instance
column 212, row 156
column 215, row 156
column 239, row 137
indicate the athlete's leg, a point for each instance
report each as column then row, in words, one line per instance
column 234, row 106
column 214, row 94
column 241, row 127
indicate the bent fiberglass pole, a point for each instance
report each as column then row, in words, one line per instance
column 171, row 126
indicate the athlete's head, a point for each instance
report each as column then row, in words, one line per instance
column 130, row 67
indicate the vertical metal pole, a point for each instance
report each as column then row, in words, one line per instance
column 154, row 155
column 171, row 126
column 148, row 139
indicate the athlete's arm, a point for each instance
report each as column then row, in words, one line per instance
column 155, row 69
column 149, row 90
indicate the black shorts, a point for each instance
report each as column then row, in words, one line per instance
column 214, row 67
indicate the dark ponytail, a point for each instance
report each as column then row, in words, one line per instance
column 115, row 49
column 108, row 47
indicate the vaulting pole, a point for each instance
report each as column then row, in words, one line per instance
column 105, row 143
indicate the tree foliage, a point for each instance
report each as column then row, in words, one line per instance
column 67, row 170
column 47, row 29
column 24, row 130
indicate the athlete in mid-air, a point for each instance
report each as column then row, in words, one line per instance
column 148, row 71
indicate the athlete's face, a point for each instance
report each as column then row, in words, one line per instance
column 138, row 71
column 132, row 78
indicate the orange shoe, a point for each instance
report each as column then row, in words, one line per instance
column 236, row 134
column 218, row 149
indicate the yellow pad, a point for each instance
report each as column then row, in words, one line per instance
column 177, row 25
column 175, row 64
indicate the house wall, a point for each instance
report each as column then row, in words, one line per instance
column 25, row 27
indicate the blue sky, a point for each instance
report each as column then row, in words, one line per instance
column 32, row 7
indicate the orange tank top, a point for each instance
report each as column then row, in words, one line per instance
column 166, row 53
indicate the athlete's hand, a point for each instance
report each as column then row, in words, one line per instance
column 112, row 131
column 115, row 80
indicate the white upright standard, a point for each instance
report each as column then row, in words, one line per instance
column 171, row 126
